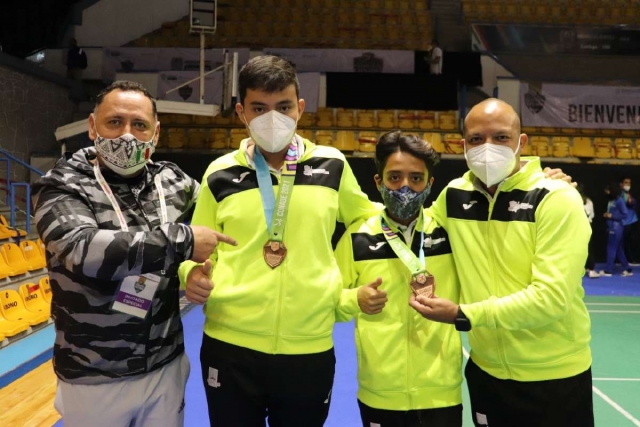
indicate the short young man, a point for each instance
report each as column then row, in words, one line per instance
column 409, row 369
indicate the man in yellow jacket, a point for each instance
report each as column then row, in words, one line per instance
column 267, row 349
column 409, row 369
column 519, row 242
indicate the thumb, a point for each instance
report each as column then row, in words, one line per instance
column 375, row 284
column 206, row 268
column 424, row 300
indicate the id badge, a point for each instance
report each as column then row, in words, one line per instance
column 135, row 295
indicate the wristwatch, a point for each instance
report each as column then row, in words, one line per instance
column 462, row 323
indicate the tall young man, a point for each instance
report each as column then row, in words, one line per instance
column 267, row 348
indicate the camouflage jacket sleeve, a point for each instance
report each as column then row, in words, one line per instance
column 72, row 236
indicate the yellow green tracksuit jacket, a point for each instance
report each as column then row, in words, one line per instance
column 520, row 258
column 289, row 309
column 405, row 362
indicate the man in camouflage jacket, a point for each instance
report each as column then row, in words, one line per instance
column 119, row 362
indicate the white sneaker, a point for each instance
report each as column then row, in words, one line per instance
column 627, row 273
column 603, row 273
column 593, row 274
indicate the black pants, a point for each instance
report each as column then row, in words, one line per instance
column 507, row 403
column 244, row 387
column 450, row 416
column 629, row 242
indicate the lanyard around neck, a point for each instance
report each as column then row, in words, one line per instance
column 409, row 259
column 275, row 225
column 107, row 190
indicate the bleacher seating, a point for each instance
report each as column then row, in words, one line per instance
column 365, row 24
column 15, row 259
column 46, row 288
column 9, row 270
column 6, row 230
column 24, row 307
column 351, row 130
column 34, row 299
column 32, row 254
column 453, row 143
column 225, row 133
column 11, row 328
column 40, row 244
column 580, row 12
column 13, row 308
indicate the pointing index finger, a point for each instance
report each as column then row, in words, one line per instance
column 226, row 239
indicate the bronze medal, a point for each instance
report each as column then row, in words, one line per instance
column 423, row 284
column 274, row 253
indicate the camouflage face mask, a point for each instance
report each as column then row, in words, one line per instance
column 404, row 203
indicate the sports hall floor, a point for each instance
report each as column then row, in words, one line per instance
column 614, row 304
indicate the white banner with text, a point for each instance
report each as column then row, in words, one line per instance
column 580, row 106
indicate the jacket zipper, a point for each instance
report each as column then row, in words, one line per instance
column 148, row 319
column 280, row 269
column 408, row 313
column 409, row 324
column 494, row 277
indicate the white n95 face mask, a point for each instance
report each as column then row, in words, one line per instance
column 491, row 163
column 272, row 131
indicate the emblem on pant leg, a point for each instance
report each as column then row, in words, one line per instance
column 481, row 419
column 213, row 378
column 328, row 396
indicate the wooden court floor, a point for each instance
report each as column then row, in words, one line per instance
column 28, row 401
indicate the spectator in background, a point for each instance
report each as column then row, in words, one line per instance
column 616, row 215
column 630, row 222
column 436, row 58
column 76, row 60
column 588, row 210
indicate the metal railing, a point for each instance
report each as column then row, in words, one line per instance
column 11, row 187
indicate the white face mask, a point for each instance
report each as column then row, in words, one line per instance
column 272, row 131
column 627, row 188
column 491, row 163
column 126, row 154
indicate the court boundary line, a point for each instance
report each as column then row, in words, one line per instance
column 615, row 311
column 597, row 391
column 616, row 379
column 615, row 406
column 614, row 304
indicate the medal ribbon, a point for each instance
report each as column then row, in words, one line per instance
column 275, row 224
column 409, row 259
column 107, row 190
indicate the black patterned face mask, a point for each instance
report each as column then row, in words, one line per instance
column 126, row 154
column 404, row 203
